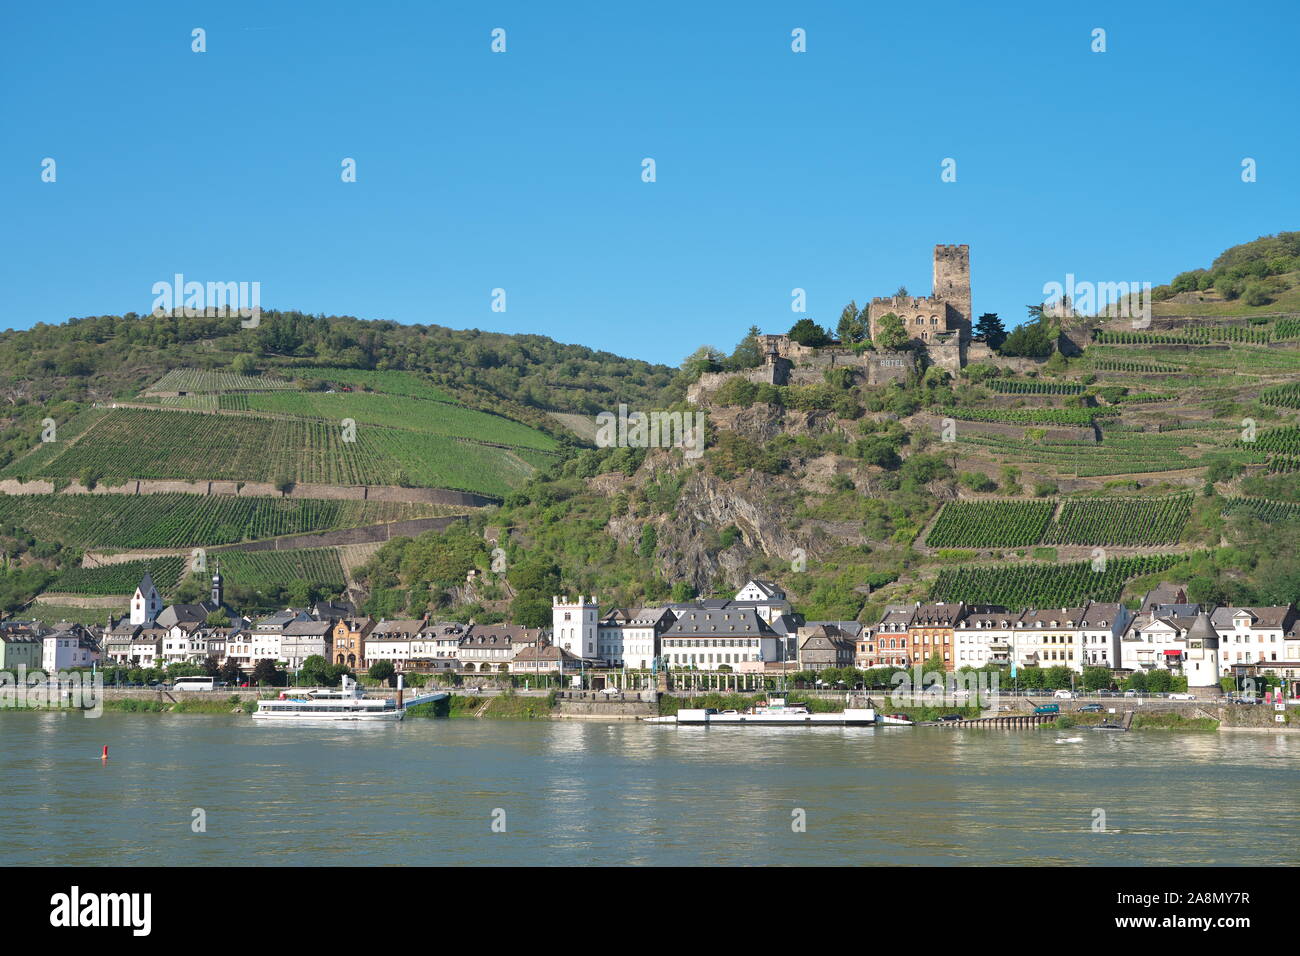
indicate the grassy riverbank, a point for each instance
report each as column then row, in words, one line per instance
column 1162, row 720
column 1172, row 721
column 132, row 705
column 503, row 707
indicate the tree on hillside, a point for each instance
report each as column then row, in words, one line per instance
column 990, row 330
column 192, row 590
column 747, row 353
column 890, row 332
column 852, row 327
column 531, row 610
column 1035, row 339
column 809, row 333
column 704, row 359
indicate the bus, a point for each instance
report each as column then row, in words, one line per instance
column 195, row 683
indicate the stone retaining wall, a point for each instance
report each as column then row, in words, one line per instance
column 246, row 489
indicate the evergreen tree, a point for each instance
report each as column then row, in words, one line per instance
column 809, row 333
column 990, row 330
column 852, row 327
column 747, row 353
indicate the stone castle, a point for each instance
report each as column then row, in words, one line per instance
column 939, row 326
column 943, row 316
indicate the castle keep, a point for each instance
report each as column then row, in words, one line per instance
column 947, row 310
column 939, row 323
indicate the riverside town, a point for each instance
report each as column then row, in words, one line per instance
column 608, row 436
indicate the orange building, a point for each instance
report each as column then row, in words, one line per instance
column 930, row 632
column 350, row 641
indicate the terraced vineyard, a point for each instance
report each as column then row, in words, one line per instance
column 207, row 402
column 1082, row 521
column 990, row 524
column 1020, row 387
column 121, row 578
column 1282, row 396
column 1121, row 521
column 1285, row 441
column 1031, row 416
column 1240, row 359
column 127, row 522
column 1192, row 335
column 269, row 569
column 1263, row 509
column 1146, row 368
column 142, row 443
column 410, row 384
column 261, row 570
column 205, row 380
column 434, row 418
column 1117, row 454
column 1020, row 586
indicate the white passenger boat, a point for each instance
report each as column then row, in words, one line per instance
column 775, row 712
column 348, row 702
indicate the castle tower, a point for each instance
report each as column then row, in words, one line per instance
column 573, row 625
column 952, row 285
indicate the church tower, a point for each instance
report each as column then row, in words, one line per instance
column 218, row 594
column 146, row 603
column 573, row 625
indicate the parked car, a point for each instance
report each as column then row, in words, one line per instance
column 1182, row 697
column 1106, row 693
column 1090, row 709
column 1064, row 695
column 1048, row 709
column 1130, row 693
column 951, row 717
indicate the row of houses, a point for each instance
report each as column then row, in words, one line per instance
column 755, row 631
column 1166, row 632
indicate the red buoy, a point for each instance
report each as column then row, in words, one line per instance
column 105, row 756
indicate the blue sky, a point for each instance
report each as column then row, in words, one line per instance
column 522, row 170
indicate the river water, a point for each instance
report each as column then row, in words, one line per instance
column 429, row 791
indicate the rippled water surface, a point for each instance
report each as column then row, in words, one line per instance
column 427, row 792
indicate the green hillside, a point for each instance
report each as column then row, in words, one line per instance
column 129, row 522
column 266, row 571
column 1089, row 459
column 113, row 444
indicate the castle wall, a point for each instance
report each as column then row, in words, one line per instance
column 923, row 317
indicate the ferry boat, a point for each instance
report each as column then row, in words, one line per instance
column 774, row 712
column 348, row 702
